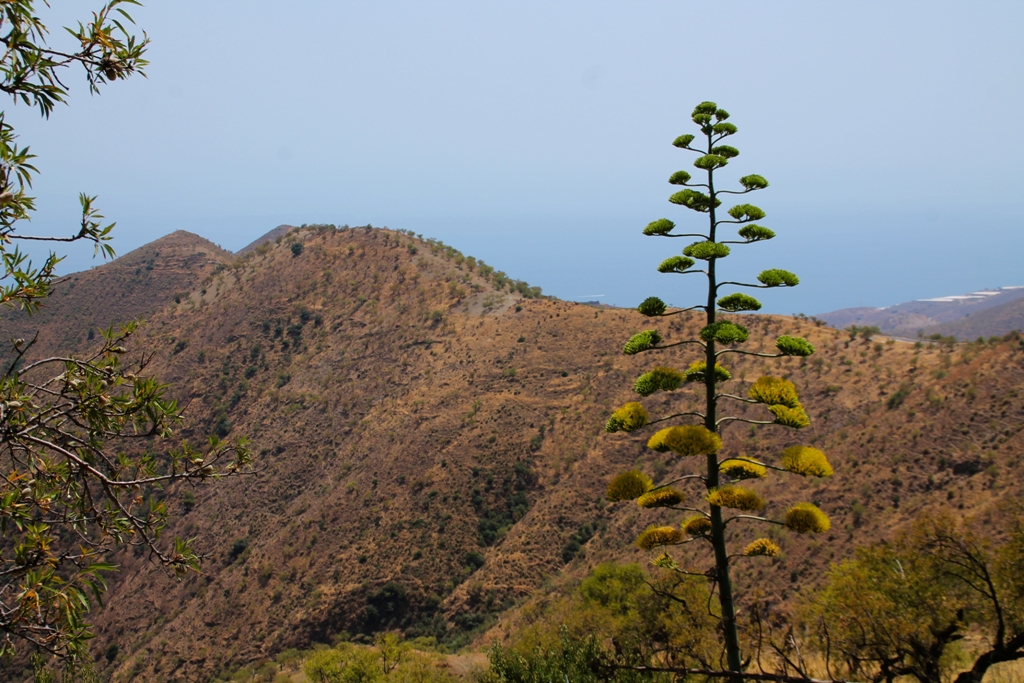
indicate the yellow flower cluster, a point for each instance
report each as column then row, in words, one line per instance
column 790, row 417
column 762, row 547
column 781, row 398
column 655, row 536
column 629, row 486
column 696, row 526
column 774, row 392
column 736, row 498
column 661, row 498
column 695, row 373
column 806, row 518
column 806, row 461
column 741, row 469
column 686, row 441
column 628, row 418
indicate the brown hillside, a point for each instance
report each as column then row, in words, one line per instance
column 993, row 321
column 127, row 288
column 993, row 312
column 430, row 446
column 270, row 236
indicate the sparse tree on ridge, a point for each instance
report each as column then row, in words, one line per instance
column 722, row 501
column 73, row 487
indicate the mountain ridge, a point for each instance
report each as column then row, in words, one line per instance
column 127, row 288
column 993, row 312
column 431, row 448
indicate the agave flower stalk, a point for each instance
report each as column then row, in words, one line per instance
column 722, row 334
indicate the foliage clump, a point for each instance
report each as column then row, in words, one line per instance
column 661, row 498
column 628, row 418
column 659, row 379
column 806, row 518
column 794, row 346
column 776, row 277
column 618, row 615
column 697, row 525
column 695, row 373
column 806, row 461
column 629, row 486
column 795, row 418
column 390, row 661
column 661, row 226
column 659, row 535
column 685, row 440
column 725, row 332
column 762, row 547
column 902, row 608
column 737, row 498
column 774, row 392
column 737, row 302
column 641, row 341
column 743, row 469
column 651, row 307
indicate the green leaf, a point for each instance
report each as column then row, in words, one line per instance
column 721, row 115
column 641, row 341
column 746, row 212
column 676, row 264
column 756, row 233
column 658, row 379
column 695, row 373
column 706, row 108
column 692, row 199
column 753, row 182
column 794, row 346
column 735, row 303
column 662, row 226
column 683, row 141
column 725, row 151
column 709, row 162
column 776, row 277
column 724, row 129
column 705, row 251
column 651, row 306
column 679, row 178
column 725, row 332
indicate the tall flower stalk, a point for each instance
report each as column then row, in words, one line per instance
column 696, row 433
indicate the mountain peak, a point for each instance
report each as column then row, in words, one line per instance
column 179, row 243
column 280, row 230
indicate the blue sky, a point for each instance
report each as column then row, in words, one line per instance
column 537, row 135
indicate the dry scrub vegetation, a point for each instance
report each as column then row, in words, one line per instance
column 431, row 450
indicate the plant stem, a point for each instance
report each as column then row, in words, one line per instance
column 732, row 643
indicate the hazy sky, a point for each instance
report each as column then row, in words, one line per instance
column 537, row 135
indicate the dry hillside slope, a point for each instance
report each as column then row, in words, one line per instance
column 991, row 312
column 130, row 287
column 432, row 449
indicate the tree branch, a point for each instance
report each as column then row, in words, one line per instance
column 743, row 419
